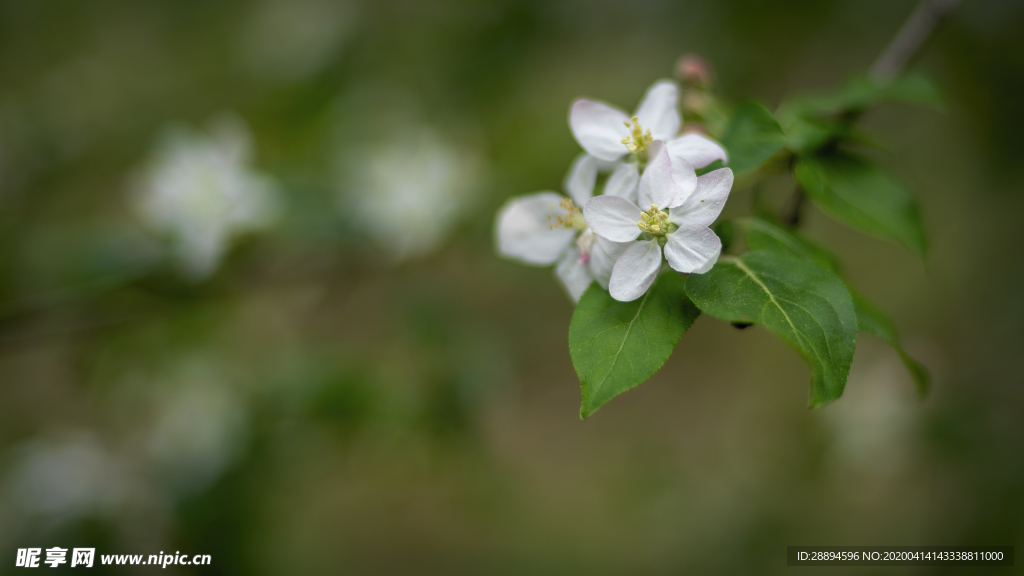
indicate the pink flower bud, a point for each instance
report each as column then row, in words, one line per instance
column 693, row 70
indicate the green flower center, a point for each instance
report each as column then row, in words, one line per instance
column 654, row 224
column 638, row 139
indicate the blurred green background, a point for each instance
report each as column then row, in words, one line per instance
column 363, row 387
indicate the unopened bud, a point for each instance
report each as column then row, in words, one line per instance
column 692, row 70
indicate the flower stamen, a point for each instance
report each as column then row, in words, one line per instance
column 638, row 139
column 655, row 221
column 572, row 219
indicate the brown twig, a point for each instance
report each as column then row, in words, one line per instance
column 908, row 41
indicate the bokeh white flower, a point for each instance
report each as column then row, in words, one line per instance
column 199, row 191
column 876, row 427
column 674, row 224
column 198, row 430
column 66, row 477
column 546, row 227
column 407, row 193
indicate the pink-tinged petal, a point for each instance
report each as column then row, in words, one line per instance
column 603, row 254
column 659, row 110
column 573, row 274
column 599, row 128
column 635, row 270
column 707, row 201
column 657, row 185
column 696, row 149
column 524, row 231
column 579, row 182
column 692, row 249
column 623, row 182
column 613, row 217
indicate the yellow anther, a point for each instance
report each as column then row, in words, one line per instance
column 572, row 219
column 655, row 221
column 638, row 138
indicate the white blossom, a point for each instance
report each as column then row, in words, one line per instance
column 546, row 227
column 675, row 225
column 610, row 134
column 199, row 191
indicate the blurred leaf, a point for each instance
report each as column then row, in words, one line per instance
column 754, row 135
column 726, row 232
column 862, row 92
column 345, row 399
column 805, row 305
column 616, row 345
column 762, row 234
column 861, row 195
column 874, row 322
column 819, row 121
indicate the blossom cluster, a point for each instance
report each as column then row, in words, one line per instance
column 653, row 207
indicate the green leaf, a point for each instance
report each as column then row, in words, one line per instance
column 817, row 121
column 806, row 305
column 862, row 92
column 765, row 235
column 874, row 322
column 753, row 136
column 859, row 194
column 762, row 234
column 616, row 345
column 726, row 232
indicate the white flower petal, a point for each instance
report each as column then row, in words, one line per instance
column 692, row 249
column 603, row 254
column 579, row 182
column 612, row 217
column 685, row 178
column 707, row 201
column 524, row 232
column 599, row 128
column 635, row 270
column 623, row 182
column 658, row 185
column 696, row 149
column 659, row 110
column 573, row 274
